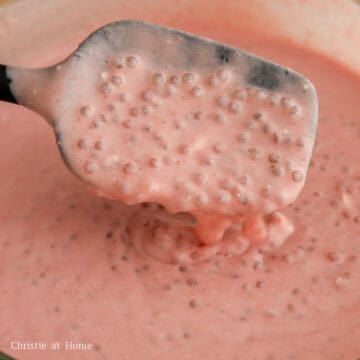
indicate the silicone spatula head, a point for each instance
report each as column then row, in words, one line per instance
column 143, row 112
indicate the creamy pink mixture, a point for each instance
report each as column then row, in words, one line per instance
column 75, row 267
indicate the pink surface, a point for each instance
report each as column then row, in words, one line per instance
column 69, row 272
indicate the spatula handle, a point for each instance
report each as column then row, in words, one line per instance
column 5, row 92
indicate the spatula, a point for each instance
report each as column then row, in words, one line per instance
column 146, row 113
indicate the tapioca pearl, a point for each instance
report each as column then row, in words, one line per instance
column 336, row 256
column 132, row 62
column 134, row 112
column 147, row 96
column 252, row 124
column 291, row 307
column 115, row 118
column 90, row 167
column 189, row 117
column 242, row 198
column 286, row 139
column 198, row 115
column 123, row 97
column 289, row 258
column 194, row 303
column 236, row 188
column 235, row 106
column 127, row 124
column 243, row 138
column 276, row 137
column 154, row 163
column 189, row 78
column 118, row 63
column 132, row 138
column 124, row 188
column 219, row 148
column 99, row 145
column 243, row 180
column 343, row 280
column 271, row 313
column 175, row 80
column 207, row 160
column 157, row 136
column 104, row 75
column 152, row 187
column 224, row 197
column 274, row 158
column 212, row 81
column 266, row 129
column 86, row 111
column 110, row 107
column 281, row 198
column 240, row 94
column 201, row 199
column 170, row 90
column 82, row 144
column 167, row 161
column 129, row 168
column 94, row 124
column 146, row 109
column 226, row 184
column 158, row 79
column 111, row 162
column 178, row 124
column 192, row 282
column 200, row 179
column 185, row 202
column 222, row 100
column 184, row 149
column 163, row 144
column 183, row 186
column 103, row 118
column 156, row 104
column 252, row 91
column 277, row 170
column 196, row 91
column 117, row 80
column 297, row 176
column 301, row 141
column 259, row 116
column 265, row 191
column 261, row 94
column 274, row 100
column 286, row 102
column 254, row 153
column 106, row 88
column 290, row 166
column 183, row 268
column 223, row 74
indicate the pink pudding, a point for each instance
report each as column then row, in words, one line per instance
column 244, row 270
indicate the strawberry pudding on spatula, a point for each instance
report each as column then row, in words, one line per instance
column 147, row 114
